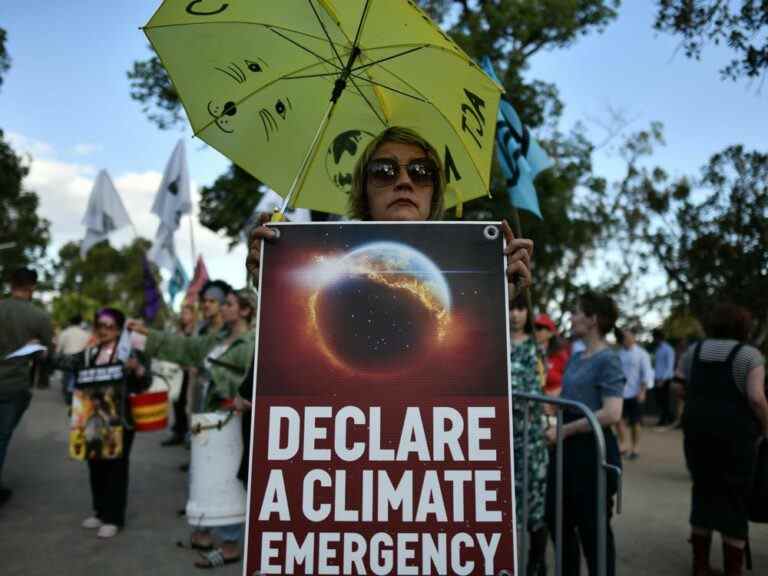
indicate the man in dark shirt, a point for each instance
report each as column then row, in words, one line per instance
column 22, row 322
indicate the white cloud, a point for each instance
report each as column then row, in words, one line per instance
column 29, row 146
column 85, row 149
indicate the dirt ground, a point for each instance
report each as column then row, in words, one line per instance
column 40, row 530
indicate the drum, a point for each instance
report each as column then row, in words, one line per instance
column 150, row 410
column 216, row 496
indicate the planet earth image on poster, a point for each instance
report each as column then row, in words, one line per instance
column 383, row 310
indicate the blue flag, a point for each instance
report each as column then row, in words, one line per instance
column 179, row 281
column 520, row 156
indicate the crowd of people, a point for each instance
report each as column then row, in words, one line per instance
column 719, row 382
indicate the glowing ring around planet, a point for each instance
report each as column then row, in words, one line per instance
column 381, row 310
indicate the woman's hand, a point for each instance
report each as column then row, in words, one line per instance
column 138, row 326
column 519, row 252
column 255, row 236
column 242, row 405
column 550, row 434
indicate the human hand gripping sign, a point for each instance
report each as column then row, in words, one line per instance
column 255, row 236
column 519, row 252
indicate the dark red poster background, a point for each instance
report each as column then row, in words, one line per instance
column 335, row 330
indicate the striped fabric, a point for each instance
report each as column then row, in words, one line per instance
column 717, row 351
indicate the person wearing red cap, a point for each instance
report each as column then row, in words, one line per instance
column 556, row 351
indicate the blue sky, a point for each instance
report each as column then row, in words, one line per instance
column 66, row 102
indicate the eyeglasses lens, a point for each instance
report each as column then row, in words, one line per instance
column 385, row 171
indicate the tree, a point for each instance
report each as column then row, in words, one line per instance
column 24, row 236
column 510, row 32
column 106, row 277
column 709, row 233
column 227, row 205
column 741, row 24
column 5, row 59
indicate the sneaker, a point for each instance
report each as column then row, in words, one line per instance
column 107, row 531
column 92, row 522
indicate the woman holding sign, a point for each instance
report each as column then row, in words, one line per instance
column 525, row 377
column 102, row 428
column 399, row 177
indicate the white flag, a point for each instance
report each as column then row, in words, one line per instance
column 173, row 199
column 163, row 251
column 271, row 200
column 105, row 213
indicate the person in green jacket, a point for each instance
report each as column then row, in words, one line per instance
column 225, row 354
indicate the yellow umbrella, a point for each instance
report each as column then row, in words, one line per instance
column 292, row 90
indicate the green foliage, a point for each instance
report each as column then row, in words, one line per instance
column 740, row 24
column 227, row 205
column 5, row 59
column 106, row 277
column 20, row 223
column 151, row 86
column 708, row 234
column 682, row 325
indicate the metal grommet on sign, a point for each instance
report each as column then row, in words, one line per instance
column 491, row 232
column 276, row 230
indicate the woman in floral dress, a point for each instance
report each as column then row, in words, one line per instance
column 526, row 378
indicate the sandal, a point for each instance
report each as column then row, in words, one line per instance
column 194, row 545
column 214, row 559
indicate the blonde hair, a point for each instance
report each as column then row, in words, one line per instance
column 358, row 206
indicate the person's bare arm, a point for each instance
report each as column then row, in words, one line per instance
column 756, row 396
column 608, row 415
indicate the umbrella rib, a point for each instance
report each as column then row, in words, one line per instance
column 371, row 106
column 325, row 31
column 381, row 85
column 310, row 76
column 375, row 62
column 315, row 54
column 360, row 25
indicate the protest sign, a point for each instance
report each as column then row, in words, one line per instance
column 382, row 440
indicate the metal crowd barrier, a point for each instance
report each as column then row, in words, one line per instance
column 602, row 468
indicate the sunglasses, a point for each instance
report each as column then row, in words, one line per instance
column 386, row 171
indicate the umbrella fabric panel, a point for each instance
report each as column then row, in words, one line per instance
column 229, row 63
column 390, row 19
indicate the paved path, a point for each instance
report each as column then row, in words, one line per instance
column 40, row 530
